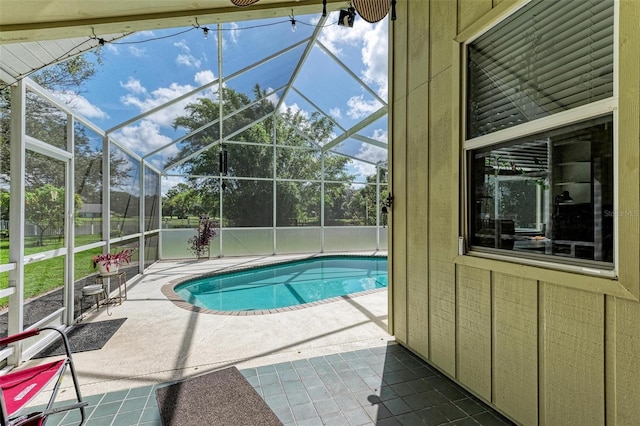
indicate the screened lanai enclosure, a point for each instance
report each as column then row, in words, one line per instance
column 281, row 145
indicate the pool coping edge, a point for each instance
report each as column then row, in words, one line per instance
column 168, row 290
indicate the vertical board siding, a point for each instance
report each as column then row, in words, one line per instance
column 417, row 180
column 573, row 365
column 399, row 188
column 442, row 230
column 515, row 363
column 497, row 2
column 470, row 11
column 442, row 19
column 628, row 176
column 474, row 329
column 418, row 307
column 418, row 41
column 628, row 362
column 541, row 352
column 399, row 233
column 442, row 316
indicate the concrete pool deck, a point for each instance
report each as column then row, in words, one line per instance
column 330, row 364
column 160, row 342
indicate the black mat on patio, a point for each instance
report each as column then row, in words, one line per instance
column 221, row 398
column 89, row 336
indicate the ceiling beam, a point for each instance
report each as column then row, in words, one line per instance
column 16, row 26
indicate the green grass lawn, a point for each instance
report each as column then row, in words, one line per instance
column 41, row 277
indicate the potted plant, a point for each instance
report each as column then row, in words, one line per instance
column 109, row 263
column 206, row 231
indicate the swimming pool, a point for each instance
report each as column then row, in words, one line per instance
column 286, row 284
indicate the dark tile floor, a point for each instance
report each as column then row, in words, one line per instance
column 378, row 386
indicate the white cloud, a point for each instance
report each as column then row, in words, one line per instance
column 81, row 105
column 182, row 45
column 204, row 77
column 133, row 85
column 185, row 57
column 136, row 51
column 375, row 58
column 188, row 60
column 146, row 134
column 372, row 154
column 169, row 182
column 374, row 44
column 380, row 135
column 335, row 113
column 295, row 109
column 274, row 98
column 145, row 101
column 112, row 48
column 234, row 32
column 334, row 37
column 359, row 107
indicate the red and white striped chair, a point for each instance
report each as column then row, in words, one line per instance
column 20, row 386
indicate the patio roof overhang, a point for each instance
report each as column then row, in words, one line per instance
column 36, row 20
column 36, row 33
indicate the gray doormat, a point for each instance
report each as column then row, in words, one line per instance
column 84, row 337
column 221, row 398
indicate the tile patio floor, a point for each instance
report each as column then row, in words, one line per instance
column 335, row 365
column 385, row 385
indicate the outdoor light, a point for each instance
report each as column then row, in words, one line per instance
column 293, row 22
column 386, row 204
column 205, row 32
column 347, row 16
column 324, row 8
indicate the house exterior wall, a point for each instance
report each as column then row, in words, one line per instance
column 542, row 346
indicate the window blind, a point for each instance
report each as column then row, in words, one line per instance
column 548, row 57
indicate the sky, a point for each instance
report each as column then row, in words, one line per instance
column 150, row 68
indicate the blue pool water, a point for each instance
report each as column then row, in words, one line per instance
column 286, row 284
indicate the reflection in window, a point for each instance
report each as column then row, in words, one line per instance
column 151, row 199
column 44, row 203
column 45, row 122
column 125, row 193
column 88, row 185
column 151, row 249
column 544, row 194
column 547, row 194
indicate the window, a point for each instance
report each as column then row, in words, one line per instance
column 539, row 134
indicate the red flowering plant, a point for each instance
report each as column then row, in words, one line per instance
column 112, row 261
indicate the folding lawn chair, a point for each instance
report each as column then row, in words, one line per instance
column 19, row 387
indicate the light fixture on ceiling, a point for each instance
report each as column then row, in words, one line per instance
column 292, row 18
column 243, row 3
column 347, row 17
